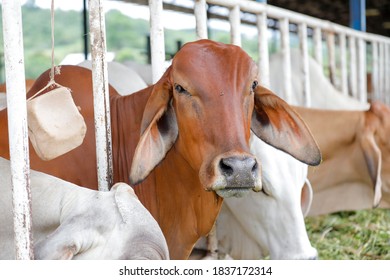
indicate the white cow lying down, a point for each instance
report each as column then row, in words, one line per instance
column 70, row 222
column 271, row 222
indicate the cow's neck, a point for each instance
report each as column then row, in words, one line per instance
column 183, row 209
column 126, row 117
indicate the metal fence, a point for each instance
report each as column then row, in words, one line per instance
column 353, row 46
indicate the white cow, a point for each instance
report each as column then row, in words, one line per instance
column 71, row 222
column 272, row 222
column 323, row 94
column 121, row 77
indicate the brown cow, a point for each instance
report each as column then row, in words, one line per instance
column 355, row 145
column 194, row 145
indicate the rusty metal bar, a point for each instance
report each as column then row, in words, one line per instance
column 17, row 125
column 101, row 95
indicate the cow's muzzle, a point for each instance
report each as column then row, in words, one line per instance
column 236, row 175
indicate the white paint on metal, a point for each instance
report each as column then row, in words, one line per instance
column 318, row 45
column 264, row 75
column 200, row 11
column 343, row 64
column 387, row 74
column 285, row 36
column 375, row 71
column 362, row 75
column 305, row 64
column 101, row 94
column 157, row 39
column 331, row 56
column 18, row 131
column 352, row 66
column 235, row 23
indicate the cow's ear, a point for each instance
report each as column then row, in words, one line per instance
column 373, row 157
column 276, row 123
column 158, row 130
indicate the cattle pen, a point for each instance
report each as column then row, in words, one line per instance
column 351, row 47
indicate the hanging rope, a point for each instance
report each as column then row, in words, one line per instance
column 55, row 70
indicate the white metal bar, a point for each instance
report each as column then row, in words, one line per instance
column 318, row 46
column 263, row 49
column 285, row 39
column 352, row 66
column 362, row 75
column 100, row 94
column 17, row 124
column 381, row 71
column 375, row 72
column 331, row 56
column 343, row 64
column 235, row 22
column 305, row 64
column 387, row 74
column 200, row 11
column 157, row 39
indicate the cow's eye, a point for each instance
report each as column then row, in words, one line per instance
column 181, row 90
column 254, row 85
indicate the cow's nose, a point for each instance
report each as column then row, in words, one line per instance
column 238, row 170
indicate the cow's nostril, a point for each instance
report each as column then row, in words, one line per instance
column 225, row 168
column 254, row 168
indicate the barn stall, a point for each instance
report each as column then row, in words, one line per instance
column 350, row 76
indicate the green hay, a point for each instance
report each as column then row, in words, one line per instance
column 354, row 235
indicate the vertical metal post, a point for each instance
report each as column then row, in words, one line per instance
column 101, row 94
column 85, row 29
column 381, row 74
column 157, row 39
column 343, row 62
column 235, row 22
column 318, row 45
column 352, row 66
column 362, row 75
column 357, row 14
column 285, row 36
column 375, row 71
column 305, row 64
column 332, row 57
column 387, row 73
column 200, row 11
column 263, row 49
column 17, row 124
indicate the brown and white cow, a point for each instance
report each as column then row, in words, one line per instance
column 184, row 141
column 355, row 172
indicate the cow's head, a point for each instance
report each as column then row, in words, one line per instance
column 206, row 103
column 376, row 148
